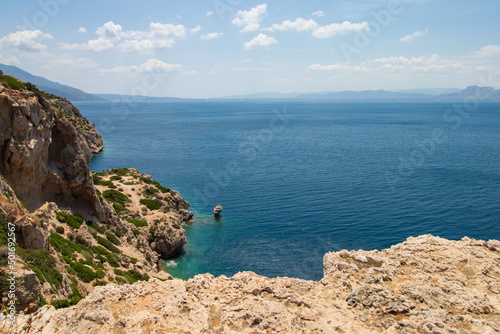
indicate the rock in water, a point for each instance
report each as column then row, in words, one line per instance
column 217, row 210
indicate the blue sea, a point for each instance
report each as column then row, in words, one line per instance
column 299, row 179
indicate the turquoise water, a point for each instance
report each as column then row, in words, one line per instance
column 299, row 179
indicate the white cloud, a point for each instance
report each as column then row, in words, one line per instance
column 110, row 31
column 260, row 41
column 209, row 13
column 195, row 30
column 318, row 13
column 178, row 16
column 152, row 65
column 159, row 37
column 82, row 30
column 339, row 29
column 414, row 35
column 488, row 51
column 406, row 61
column 250, row 19
column 25, row 41
column 337, row 67
column 212, row 35
column 299, row 24
column 318, row 31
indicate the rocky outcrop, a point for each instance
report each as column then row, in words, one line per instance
column 27, row 290
column 159, row 210
column 45, row 150
column 424, row 285
column 29, row 232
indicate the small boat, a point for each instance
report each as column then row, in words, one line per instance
column 217, row 210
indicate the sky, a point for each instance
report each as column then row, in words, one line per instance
column 214, row 48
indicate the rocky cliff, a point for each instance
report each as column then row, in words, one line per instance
column 74, row 229
column 424, row 285
column 45, row 150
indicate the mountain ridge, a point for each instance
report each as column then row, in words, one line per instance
column 487, row 94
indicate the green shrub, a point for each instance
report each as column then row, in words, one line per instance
column 108, row 184
column 72, row 221
column 60, row 229
column 43, row 264
column 100, row 283
column 137, row 223
column 96, row 226
column 150, row 204
column 113, row 239
column 162, row 188
column 115, row 178
column 63, row 246
column 86, row 274
column 120, row 280
column 81, row 240
column 131, row 276
column 12, row 82
column 112, row 260
column 31, row 87
column 136, row 232
column 150, row 191
column 119, row 171
column 108, row 244
column 117, row 198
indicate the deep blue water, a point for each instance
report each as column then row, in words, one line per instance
column 299, row 179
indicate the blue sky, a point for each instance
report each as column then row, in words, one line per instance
column 195, row 48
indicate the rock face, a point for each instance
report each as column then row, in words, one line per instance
column 29, row 233
column 424, row 285
column 45, row 153
column 27, row 290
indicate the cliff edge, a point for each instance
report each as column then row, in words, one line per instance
column 423, row 285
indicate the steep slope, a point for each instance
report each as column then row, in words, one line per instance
column 71, row 235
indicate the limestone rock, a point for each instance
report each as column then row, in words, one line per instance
column 27, row 290
column 44, row 156
column 424, row 285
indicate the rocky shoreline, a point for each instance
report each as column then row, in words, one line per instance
column 90, row 247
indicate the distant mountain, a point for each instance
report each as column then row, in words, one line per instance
column 261, row 96
column 70, row 93
column 137, row 98
column 365, row 95
column 483, row 94
column 429, row 91
column 486, row 94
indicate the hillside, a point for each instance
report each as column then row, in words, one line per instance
column 74, row 230
column 70, row 93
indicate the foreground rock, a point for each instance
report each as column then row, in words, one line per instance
column 424, row 285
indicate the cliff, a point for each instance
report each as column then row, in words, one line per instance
column 74, row 229
column 424, row 285
column 45, row 150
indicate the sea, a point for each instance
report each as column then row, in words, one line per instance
column 299, row 179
